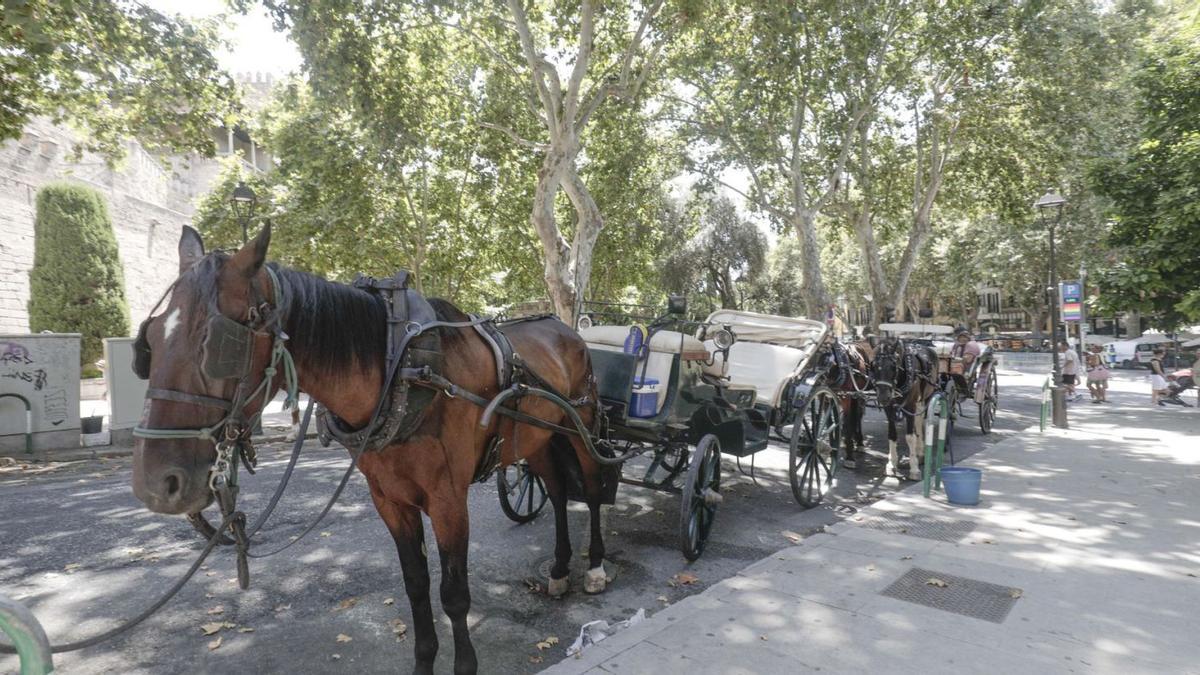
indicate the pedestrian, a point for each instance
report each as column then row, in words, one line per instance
column 1070, row 370
column 1158, row 378
column 1097, row 374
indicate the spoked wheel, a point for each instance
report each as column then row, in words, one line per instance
column 701, row 496
column 987, row 409
column 522, row 494
column 671, row 461
column 815, row 439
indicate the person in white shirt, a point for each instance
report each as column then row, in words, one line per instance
column 1070, row 369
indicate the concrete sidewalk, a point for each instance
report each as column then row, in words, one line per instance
column 1083, row 556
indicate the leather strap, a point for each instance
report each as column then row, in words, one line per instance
column 185, row 397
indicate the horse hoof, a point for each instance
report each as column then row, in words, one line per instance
column 595, row 581
column 557, row 587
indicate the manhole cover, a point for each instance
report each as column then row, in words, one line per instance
column 926, row 527
column 963, row 596
column 543, row 568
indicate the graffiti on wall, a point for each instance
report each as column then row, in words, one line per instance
column 43, row 370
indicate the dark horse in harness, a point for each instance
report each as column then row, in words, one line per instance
column 336, row 336
column 853, row 381
column 905, row 377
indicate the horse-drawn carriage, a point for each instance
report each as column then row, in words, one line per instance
column 719, row 386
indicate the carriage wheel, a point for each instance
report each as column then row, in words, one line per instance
column 815, row 439
column 522, row 494
column 701, row 495
column 987, row 409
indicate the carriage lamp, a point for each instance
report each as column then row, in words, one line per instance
column 243, row 201
column 1055, row 201
column 723, row 338
column 584, row 323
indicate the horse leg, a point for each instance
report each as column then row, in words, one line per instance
column 596, row 579
column 916, row 442
column 848, row 416
column 451, row 526
column 893, row 456
column 543, row 464
column 404, row 522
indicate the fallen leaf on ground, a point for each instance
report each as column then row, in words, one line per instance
column 342, row 637
column 547, row 643
column 389, row 601
column 346, row 604
column 662, row 598
column 211, row 628
column 536, row 658
column 210, row 574
column 934, row 581
column 245, row 629
column 228, row 624
column 792, row 536
column 215, row 644
column 399, row 627
column 217, row 610
column 71, row 567
column 208, row 596
column 906, row 557
column 683, row 579
column 326, row 534
column 335, row 657
column 988, row 541
column 283, row 608
column 1015, row 593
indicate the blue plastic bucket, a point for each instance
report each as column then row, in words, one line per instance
column 961, row 484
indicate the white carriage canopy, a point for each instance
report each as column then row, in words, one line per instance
column 769, row 351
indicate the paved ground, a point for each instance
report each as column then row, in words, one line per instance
column 1084, row 545
column 79, row 549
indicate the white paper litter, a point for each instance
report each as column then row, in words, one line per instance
column 594, row 631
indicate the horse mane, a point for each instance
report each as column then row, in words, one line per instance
column 339, row 326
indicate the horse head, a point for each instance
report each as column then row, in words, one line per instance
column 203, row 356
column 888, row 368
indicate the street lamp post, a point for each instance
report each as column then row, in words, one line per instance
column 243, row 200
column 1053, row 200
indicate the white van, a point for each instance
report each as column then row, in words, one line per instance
column 1131, row 353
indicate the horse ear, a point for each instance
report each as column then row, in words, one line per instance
column 249, row 260
column 191, row 248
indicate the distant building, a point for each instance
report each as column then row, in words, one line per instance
column 149, row 200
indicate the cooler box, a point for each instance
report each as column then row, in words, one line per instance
column 644, row 402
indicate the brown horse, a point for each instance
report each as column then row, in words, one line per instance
column 337, row 338
column 852, row 395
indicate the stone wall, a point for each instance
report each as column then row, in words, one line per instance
column 148, row 203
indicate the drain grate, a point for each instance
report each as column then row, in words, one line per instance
column 963, row 596
column 926, row 527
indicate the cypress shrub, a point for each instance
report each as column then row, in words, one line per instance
column 76, row 284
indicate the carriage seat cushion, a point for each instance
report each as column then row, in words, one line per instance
column 662, row 342
column 765, row 367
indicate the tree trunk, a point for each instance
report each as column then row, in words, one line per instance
column 556, row 252
column 587, row 232
column 816, row 296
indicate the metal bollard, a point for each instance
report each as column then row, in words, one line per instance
column 33, row 648
column 932, row 478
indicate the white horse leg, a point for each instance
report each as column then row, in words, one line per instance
column 916, row 444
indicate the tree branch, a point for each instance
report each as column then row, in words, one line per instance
column 523, row 142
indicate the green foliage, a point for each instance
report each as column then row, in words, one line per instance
column 721, row 260
column 116, row 68
column 76, row 284
column 1155, row 192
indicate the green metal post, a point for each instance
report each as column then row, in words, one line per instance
column 1046, row 386
column 27, row 637
column 933, row 455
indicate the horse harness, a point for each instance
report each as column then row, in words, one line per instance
column 413, row 374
